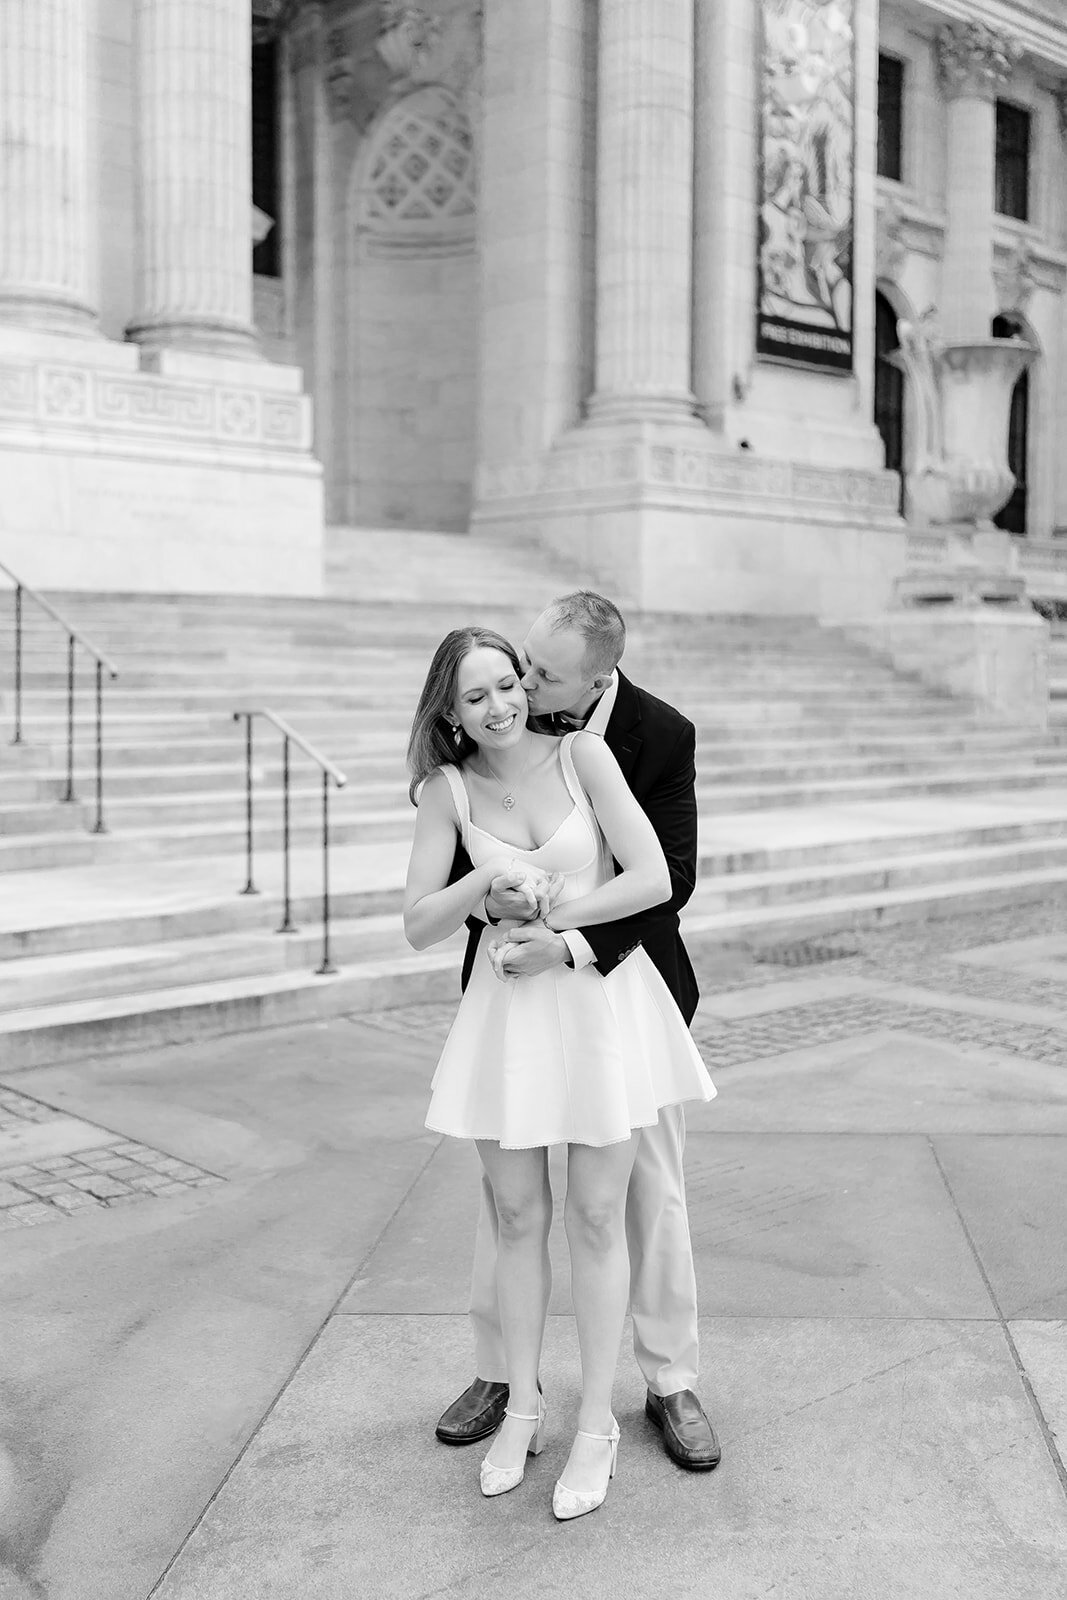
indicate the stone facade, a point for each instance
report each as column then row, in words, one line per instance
column 565, row 349
column 144, row 442
column 524, row 270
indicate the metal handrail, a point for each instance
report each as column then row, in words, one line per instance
column 74, row 638
column 329, row 772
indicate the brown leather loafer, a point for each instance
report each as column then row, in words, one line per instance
column 477, row 1413
column 688, row 1436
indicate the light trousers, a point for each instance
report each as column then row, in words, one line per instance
column 663, row 1291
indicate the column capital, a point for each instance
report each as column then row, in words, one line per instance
column 975, row 60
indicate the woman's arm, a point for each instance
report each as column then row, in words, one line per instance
column 433, row 907
column 643, row 880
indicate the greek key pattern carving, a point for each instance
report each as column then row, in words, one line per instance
column 143, row 404
column 18, row 391
column 690, row 471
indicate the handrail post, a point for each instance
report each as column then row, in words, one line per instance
column 18, row 665
column 327, row 966
column 249, row 887
column 99, row 826
column 287, row 925
column 69, row 796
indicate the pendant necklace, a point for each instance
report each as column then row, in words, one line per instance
column 508, row 801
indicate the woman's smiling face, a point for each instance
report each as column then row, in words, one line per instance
column 490, row 703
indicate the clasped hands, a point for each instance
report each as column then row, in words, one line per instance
column 521, row 896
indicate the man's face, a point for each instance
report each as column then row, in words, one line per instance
column 556, row 677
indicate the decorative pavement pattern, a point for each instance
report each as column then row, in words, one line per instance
column 986, row 956
column 90, row 1168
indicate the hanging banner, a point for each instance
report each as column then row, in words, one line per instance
column 804, row 290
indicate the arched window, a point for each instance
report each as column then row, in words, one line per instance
column 1012, row 516
column 888, row 388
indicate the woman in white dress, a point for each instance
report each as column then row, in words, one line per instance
column 564, row 1057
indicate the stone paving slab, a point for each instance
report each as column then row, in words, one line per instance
column 1042, row 1348
column 149, row 1351
column 791, row 1225
column 861, row 1458
column 1012, row 1192
column 887, row 1082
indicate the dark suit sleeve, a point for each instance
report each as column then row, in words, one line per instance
column 461, row 865
column 670, row 804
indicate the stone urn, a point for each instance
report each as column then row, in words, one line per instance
column 976, row 383
column 961, row 394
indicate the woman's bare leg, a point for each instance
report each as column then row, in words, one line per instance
column 595, row 1215
column 523, row 1276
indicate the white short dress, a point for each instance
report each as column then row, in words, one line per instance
column 565, row 1056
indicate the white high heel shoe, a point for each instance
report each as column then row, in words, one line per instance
column 498, row 1480
column 568, row 1503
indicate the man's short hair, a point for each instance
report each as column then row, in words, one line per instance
column 598, row 621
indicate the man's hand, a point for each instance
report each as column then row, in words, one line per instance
column 534, row 949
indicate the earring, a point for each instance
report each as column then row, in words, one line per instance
column 457, row 734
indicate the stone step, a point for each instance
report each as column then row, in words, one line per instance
column 378, row 757
column 69, row 1030
column 132, row 969
column 44, row 917
column 385, row 811
column 72, row 1030
column 867, row 876
column 188, row 840
column 720, row 797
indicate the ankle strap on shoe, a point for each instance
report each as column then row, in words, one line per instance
column 520, row 1418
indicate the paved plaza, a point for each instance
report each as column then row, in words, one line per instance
column 234, row 1277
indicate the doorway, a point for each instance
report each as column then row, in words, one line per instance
column 888, row 389
column 1012, row 516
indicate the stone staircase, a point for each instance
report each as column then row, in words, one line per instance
column 832, row 792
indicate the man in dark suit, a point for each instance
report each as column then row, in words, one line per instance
column 571, row 656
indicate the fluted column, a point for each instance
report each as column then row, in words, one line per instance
column 644, row 198
column 193, row 66
column 976, row 62
column 44, row 255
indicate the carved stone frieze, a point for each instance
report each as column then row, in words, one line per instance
column 1061, row 110
column 142, row 404
column 340, row 73
column 1016, row 277
column 269, row 17
column 685, row 472
column 975, row 59
column 890, row 250
column 420, row 44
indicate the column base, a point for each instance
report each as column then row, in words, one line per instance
column 655, row 410
column 673, row 518
column 47, row 313
column 188, row 333
column 197, row 478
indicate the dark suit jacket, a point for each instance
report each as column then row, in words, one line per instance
column 656, row 748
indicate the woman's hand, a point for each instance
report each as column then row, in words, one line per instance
column 521, row 892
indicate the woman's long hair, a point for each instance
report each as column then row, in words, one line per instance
column 432, row 743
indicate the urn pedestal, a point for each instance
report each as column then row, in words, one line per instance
column 961, row 619
column 960, row 476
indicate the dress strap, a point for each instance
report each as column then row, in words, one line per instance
column 570, row 772
column 461, row 801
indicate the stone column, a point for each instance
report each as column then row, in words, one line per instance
column 975, row 62
column 44, row 255
column 193, row 67
column 644, row 198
